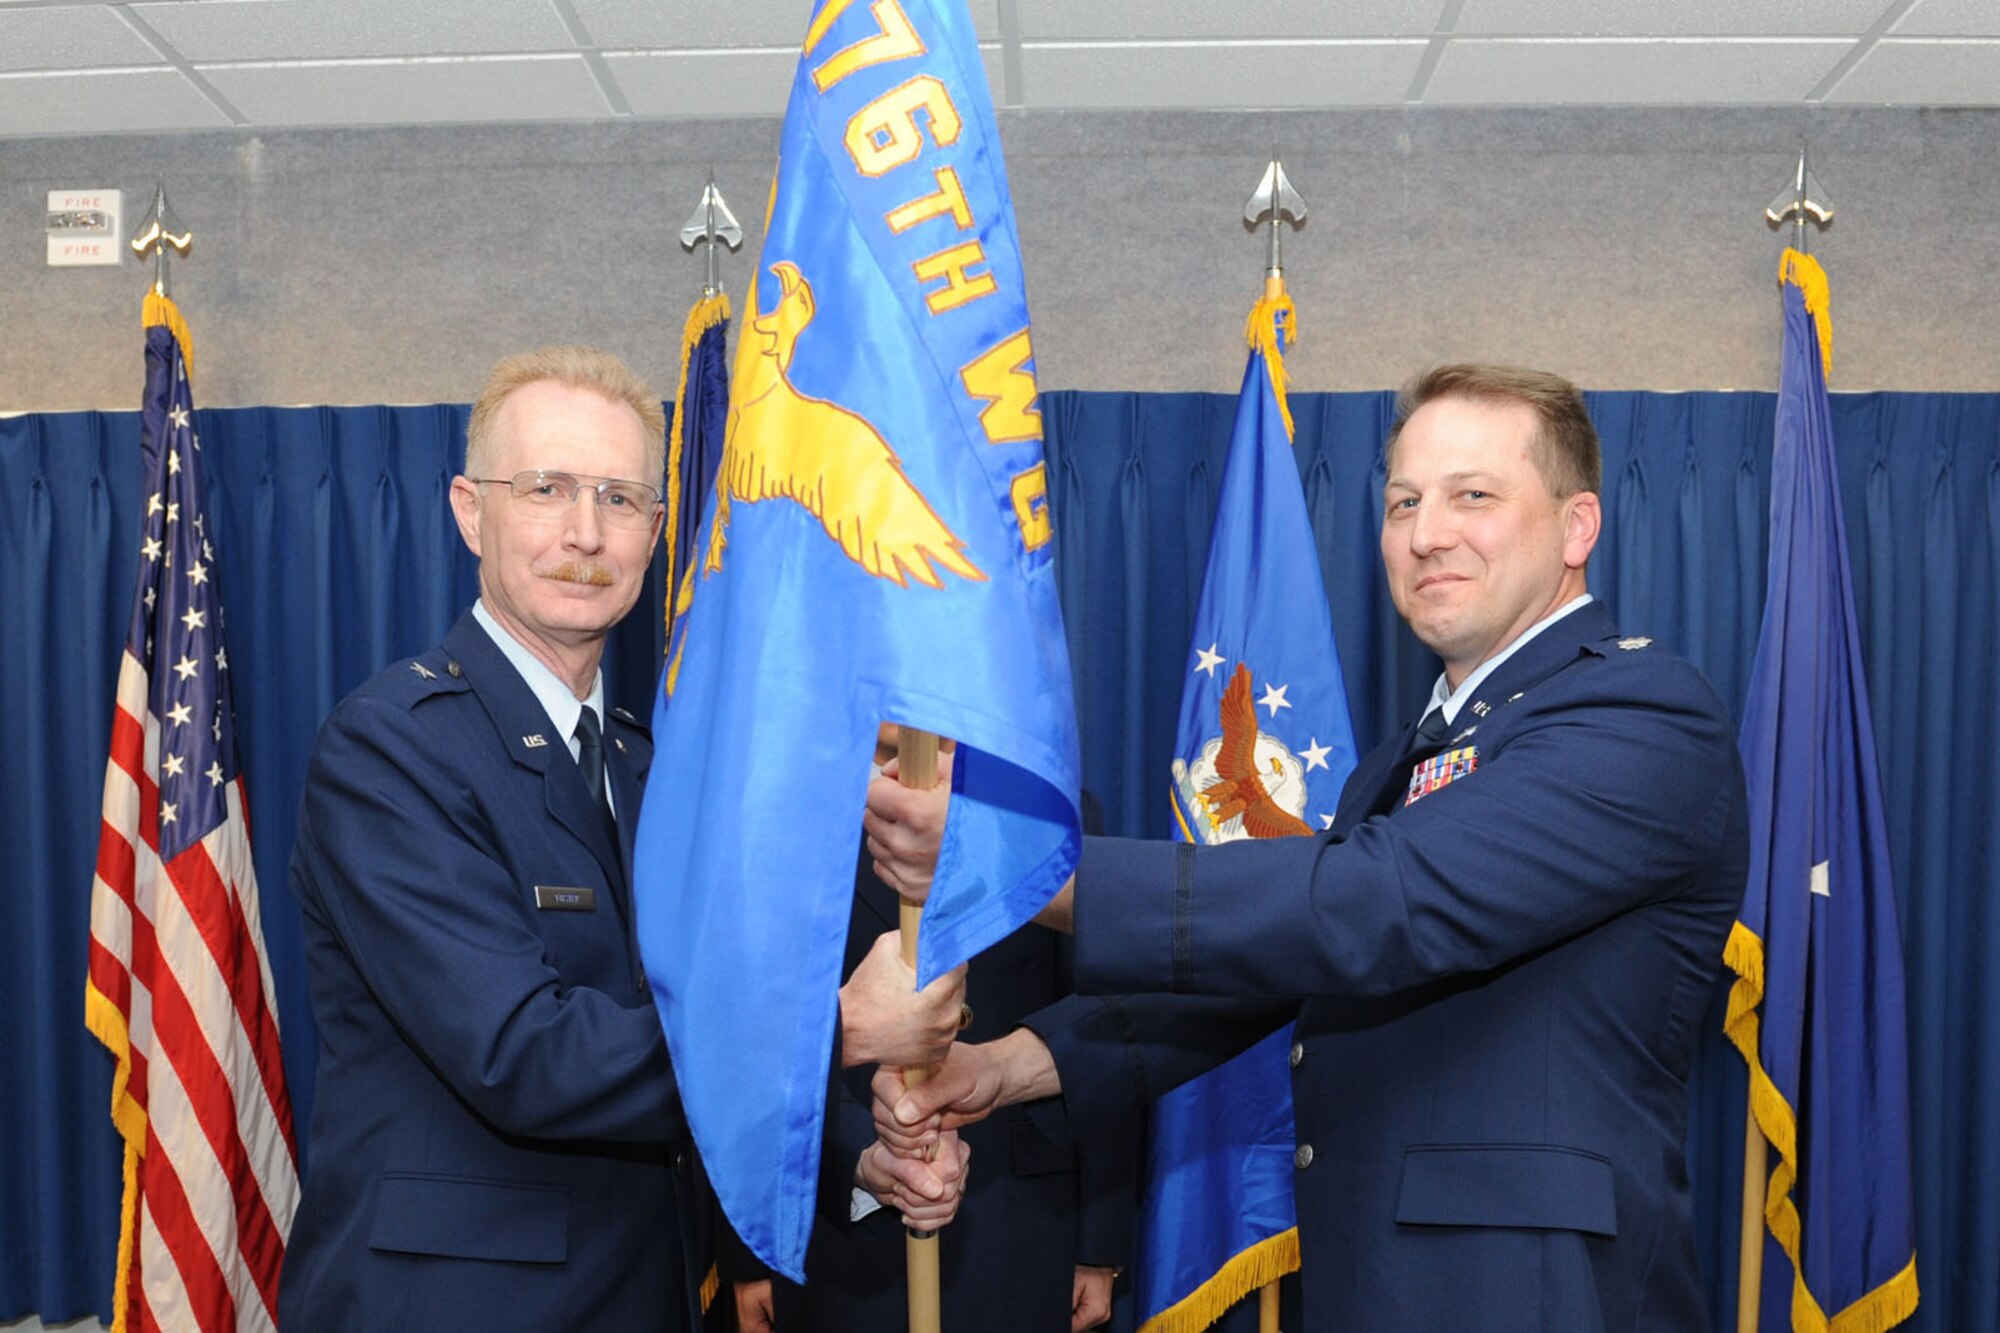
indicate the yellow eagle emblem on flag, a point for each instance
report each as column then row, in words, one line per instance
column 780, row 443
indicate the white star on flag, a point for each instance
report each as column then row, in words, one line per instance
column 1274, row 698
column 1326, row 821
column 169, row 812
column 1207, row 660
column 174, row 765
column 194, row 619
column 179, row 714
column 1316, row 755
column 151, row 550
column 198, row 572
column 179, row 416
column 215, row 774
column 185, row 668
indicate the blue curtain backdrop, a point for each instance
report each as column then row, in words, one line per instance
column 338, row 555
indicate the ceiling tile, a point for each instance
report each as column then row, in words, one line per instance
column 126, row 102
column 1950, row 18
column 396, row 92
column 1512, row 71
column 1680, row 18
column 710, row 83
column 648, row 25
column 726, row 83
column 69, row 39
column 1924, row 73
column 319, row 30
column 1210, row 76
column 1134, row 19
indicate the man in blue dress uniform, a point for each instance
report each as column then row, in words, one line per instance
column 496, row 1141
column 1497, row 955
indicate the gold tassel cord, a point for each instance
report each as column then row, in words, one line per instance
column 1260, row 331
column 160, row 312
column 1805, row 273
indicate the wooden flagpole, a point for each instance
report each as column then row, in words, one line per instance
column 1750, row 1247
column 916, row 758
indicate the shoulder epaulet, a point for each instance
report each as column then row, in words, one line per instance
column 423, row 676
column 625, row 715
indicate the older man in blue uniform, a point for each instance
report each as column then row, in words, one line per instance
column 1497, row 956
column 497, row 1142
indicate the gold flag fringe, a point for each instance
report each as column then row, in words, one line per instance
column 1895, row 1300
column 1265, row 1262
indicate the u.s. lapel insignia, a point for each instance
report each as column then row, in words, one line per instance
column 533, row 741
column 619, row 741
column 1635, row 642
column 423, row 671
column 1480, row 708
column 1441, row 770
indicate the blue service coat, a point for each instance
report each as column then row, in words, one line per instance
column 1502, row 984
column 496, row 1142
column 1035, row 1207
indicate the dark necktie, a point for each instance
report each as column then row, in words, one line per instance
column 590, row 758
column 1430, row 731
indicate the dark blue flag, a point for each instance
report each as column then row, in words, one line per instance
column 1264, row 746
column 1818, row 1008
column 877, row 547
column 694, row 444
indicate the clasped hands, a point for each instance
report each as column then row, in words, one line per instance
column 886, row 1021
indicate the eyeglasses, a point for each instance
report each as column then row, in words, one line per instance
column 547, row 495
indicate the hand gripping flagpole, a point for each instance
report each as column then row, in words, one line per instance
column 1800, row 201
column 1275, row 202
column 916, row 763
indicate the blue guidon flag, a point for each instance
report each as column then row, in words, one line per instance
column 1817, row 1010
column 1264, row 746
column 877, row 546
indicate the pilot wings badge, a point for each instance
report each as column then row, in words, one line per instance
column 1245, row 783
column 783, row 444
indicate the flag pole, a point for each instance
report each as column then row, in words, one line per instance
column 159, row 232
column 916, row 763
column 1801, row 200
column 1275, row 202
column 1750, row 1250
column 710, row 225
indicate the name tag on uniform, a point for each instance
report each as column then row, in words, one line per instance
column 562, row 898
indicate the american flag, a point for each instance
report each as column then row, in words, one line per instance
column 179, row 986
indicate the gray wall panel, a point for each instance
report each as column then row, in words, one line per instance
column 1622, row 247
